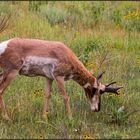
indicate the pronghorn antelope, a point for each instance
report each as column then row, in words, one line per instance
column 52, row 60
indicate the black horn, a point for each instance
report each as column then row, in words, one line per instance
column 100, row 76
column 112, row 89
column 111, row 84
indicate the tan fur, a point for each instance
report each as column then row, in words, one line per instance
column 68, row 62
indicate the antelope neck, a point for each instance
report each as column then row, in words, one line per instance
column 84, row 79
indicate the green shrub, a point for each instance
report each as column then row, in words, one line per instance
column 117, row 17
column 97, row 12
column 53, row 14
column 35, row 5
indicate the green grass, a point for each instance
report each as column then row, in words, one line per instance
column 98, row 30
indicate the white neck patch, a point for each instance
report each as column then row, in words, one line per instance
column 3, row 46
column 86, row 85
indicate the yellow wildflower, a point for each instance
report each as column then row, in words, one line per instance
column 117, row 95
column 88, row 136
column 38, row 93
column 41, row 137
column 132, row 14
column 138, row 62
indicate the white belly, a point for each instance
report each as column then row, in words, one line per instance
column 39, row 66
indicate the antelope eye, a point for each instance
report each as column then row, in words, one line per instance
column 101, row 92
column 94, row 90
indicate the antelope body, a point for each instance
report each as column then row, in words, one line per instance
column 52, row 60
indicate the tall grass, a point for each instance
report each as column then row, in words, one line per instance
column 103, row 38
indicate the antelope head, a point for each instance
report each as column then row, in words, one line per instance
column 97, row 90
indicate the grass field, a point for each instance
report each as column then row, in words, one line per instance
column 104, row 38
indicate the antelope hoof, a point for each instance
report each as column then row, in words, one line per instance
column 45, row 115
column 6, row 117
column 70, row 117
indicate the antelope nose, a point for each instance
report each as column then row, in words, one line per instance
column 95, row 110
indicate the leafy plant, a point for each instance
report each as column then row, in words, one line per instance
column 53, row 14
column 121, row 115
column 97, row 12
column 35, row 5
column 117, row 17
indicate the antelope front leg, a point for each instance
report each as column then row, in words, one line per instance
column 3, row 85
column 47, row 97
column 3, row 107
column 60, row 83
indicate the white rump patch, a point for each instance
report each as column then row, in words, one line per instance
column 3, row 46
